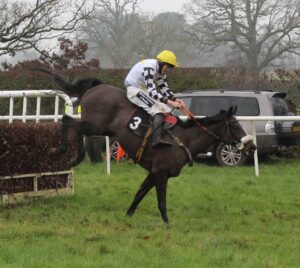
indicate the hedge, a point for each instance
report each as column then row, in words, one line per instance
column 181, row 79
column 25, row 148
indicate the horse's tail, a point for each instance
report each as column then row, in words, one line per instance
column 76, row 89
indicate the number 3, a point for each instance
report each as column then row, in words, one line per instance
column 136, row 122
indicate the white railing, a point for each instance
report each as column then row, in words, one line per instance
column 25, row 94
column 253, row 119
column 38, row 94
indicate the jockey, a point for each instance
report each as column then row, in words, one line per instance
column 147, row 88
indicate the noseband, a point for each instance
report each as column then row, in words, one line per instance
column 238, row 144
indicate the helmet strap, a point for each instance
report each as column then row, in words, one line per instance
column 160, row 65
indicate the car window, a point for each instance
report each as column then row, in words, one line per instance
column 246, row 106
column 279, row 106
column 209, row 105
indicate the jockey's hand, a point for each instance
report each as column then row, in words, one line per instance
column 175, row 104
column 183, row 106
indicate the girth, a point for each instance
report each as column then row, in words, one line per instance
column 176, row 140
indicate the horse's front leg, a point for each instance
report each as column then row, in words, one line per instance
column 70, row 123
column 80, row 150
column 66, row 123
column 161, row 183
column 145, row 187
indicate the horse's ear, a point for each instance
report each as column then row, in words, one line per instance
column 230, row 111
column 235, row 109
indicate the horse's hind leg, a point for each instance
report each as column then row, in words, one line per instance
column 145, row 187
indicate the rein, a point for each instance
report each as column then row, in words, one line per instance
column 239, row 145
column 192, row 117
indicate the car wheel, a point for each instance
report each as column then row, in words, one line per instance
column 230, row 156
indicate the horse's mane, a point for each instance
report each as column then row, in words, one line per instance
column 205, row 121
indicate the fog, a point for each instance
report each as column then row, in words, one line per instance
column 146, row 27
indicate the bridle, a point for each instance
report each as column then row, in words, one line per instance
column 190, row 115
column 238, row 144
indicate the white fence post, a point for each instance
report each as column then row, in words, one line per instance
column 255, row 153
column 24, row 112
column 107, row 155
column 56, row 106
column 38, row 109
column 11, row 109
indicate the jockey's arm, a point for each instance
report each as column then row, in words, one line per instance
column 181, row 102
column 174, row 104
column 166, row 91
column 149, row 82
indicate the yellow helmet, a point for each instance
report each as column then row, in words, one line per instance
column 167, row 56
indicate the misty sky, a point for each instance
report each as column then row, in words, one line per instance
column 158, row 6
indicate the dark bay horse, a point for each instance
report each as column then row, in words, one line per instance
column 105, row 111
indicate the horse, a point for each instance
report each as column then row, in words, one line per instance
column 106, row 110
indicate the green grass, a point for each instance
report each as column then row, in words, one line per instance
column 219, row 217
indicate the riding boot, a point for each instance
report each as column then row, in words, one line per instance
column 157, row 126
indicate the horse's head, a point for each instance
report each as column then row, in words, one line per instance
column 234, row 134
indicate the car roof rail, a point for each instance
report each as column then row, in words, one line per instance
column 224, row 90
column 281, row 95
column 205, row 90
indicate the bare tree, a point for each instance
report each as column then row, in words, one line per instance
column 109, row 30
column 24, row 24
column 260, row 30
column 134, row 37
column 156, row 33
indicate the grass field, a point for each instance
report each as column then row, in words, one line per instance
column 219, row 217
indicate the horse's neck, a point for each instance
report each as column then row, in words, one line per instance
column 198, row 139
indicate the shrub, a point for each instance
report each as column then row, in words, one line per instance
column 25, row 148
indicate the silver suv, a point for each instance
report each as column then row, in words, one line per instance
column 271, row 136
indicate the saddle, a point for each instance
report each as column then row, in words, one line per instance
column 140, row 124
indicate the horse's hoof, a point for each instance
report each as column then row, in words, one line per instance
column 130, row 213
column 166, row 221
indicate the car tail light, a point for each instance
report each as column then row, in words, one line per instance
column 270, row 126
column 296, row 127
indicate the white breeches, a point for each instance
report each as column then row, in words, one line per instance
column 141, row 98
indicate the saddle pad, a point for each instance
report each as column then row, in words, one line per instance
column 170, row 121
column 139, row 122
